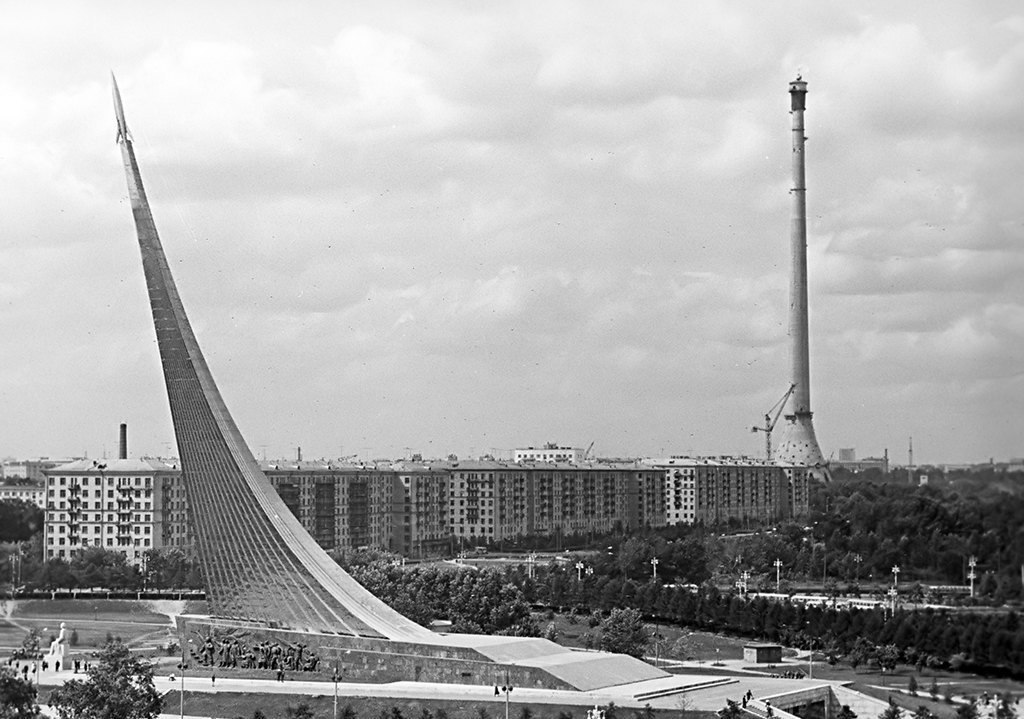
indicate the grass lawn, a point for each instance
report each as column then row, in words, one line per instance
column 136, row 623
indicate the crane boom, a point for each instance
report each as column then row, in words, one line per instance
column 771, row 418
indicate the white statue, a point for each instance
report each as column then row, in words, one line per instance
column 58, row 645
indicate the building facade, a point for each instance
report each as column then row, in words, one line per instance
column 33, row 493
column 717, row 490
column 119, row 504
column 344, row 506
column 420, row 510
column 550, row 452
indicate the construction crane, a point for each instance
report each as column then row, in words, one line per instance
column 771, row 417
column 586, row 455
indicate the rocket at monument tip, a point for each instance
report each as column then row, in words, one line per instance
column 122, row 126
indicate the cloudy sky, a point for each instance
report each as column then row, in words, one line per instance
column 467, row 226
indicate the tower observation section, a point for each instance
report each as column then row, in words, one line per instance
column 258, row 563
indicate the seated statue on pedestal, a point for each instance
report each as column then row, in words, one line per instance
column 58, row 645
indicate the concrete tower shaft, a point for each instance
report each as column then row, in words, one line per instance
column 800, row 403
column 799, row 445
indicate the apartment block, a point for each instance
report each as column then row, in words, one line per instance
column 120, row 504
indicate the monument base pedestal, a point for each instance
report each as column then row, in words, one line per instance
column 453, row 659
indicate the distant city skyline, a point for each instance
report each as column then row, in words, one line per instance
column 405, row 228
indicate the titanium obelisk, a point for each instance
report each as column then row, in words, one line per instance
column 799, row 446
column 259, row 564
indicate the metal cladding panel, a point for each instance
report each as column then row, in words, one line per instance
column 258, row 562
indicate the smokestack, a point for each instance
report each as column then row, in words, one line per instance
column 122, row 447
column 299, row 452
column 799, row 445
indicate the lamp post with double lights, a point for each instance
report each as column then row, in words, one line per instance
column 505, row 688
column 972, row 575
column 743, row 582
column 778, row 569
column 895, row 575
column 893, row 594
column 181, row 693
column 531, row 559
column 580, row 566
column 654, row 568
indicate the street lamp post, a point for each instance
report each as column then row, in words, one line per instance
column 972, row 575
column 181, row 693
column 895, row 575
column 506, row 688
column 654, row 568
column 335, row 690
column 579, row 571
column 893, row 593
column 857, row 559
column 531, row 559
column 778, row 569
column 181, row 689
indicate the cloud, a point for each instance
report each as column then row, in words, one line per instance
column 454, row 226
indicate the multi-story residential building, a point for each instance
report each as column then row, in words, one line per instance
column 425, row 508
column 343, row 506
column 550, row 452
column 798, row 485
column 30, row 469
column 487, row 501
column 34, row 493
column 117, row 504
column 715, row 490
column 420, row 509
column 594, row 497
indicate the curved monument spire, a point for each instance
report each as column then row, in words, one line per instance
column 258, row 562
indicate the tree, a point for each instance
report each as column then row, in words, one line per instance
column 19, row 520
column 912, row 685
column 846, row 713
column 624, row 632
column 887, row 657
column 891, row 712
column 17, row 696
column 922, row 712
column 120, row 686
column 968, row 710
column 1006, row 706
column 302, row 711
column 731, row 710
